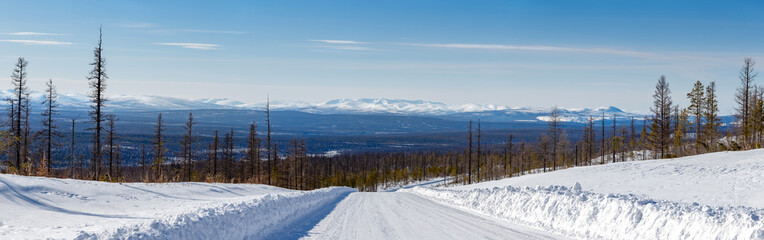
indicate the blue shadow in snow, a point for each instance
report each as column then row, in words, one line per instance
column 15, row 195
column 301, row 228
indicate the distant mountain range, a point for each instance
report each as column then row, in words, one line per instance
column 487, row 112
column 343, row 124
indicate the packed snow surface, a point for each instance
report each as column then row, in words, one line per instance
column 38, row 208
column 400, row 215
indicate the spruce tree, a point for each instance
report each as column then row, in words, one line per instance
column 710, row 113
column 660, row 125
column 697, row 102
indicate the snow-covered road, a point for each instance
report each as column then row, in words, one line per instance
column 400, row 215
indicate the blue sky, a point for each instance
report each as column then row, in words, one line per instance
column 516, row 53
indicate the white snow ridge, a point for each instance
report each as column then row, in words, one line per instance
column 40, row 208
column 709, row 196
column 583, row 214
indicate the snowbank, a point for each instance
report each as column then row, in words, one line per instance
column 714, row 179
column 39, row 208
column 253, row 219
column 578, row 213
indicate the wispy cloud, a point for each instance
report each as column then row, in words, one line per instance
column 33, row 34
column 211, row 31
column 501, row 47
column 337, row 41
column 35, row 42
column 340, row 45
column 349, row 48
column 160, row 29
column 199, row 46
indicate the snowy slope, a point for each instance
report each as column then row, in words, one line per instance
column 710, row 196
column 716, row 179
column 35, row 208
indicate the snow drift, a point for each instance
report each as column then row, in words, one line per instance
column 253, row 219
column 708, row 196
column 578, row 213
column 49, row 208
column 714, row 179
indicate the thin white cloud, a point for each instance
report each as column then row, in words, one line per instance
column 211, row 31
column 33, row 34
column 156, row 28
column 337, row 41
column 536, row 48
column 349, row 48
column 198, row 46
column 35, row 42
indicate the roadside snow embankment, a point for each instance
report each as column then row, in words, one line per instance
column 578, row 213
column 714, row 179
column 50, row 208
column 253, row 219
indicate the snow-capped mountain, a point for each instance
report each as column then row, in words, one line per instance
column 486, row 112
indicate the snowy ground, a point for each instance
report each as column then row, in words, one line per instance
column 716, row 179
column 434, row 182
column 37, row 208
column 400, row 215
column 711, row 196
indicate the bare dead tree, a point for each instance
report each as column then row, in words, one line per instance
column 50, row 102
column 469, row 155
column 554, row 133
column 111, row 138
column 159, row 148
column 20, row 93
column 212, row 155
column 743, row 98
column 268, row 149
column 187, row 145
column 253, row 151
column 97, row 78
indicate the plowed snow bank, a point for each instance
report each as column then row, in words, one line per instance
column 585, row 214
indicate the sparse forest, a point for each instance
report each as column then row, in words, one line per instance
column 670, row 131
